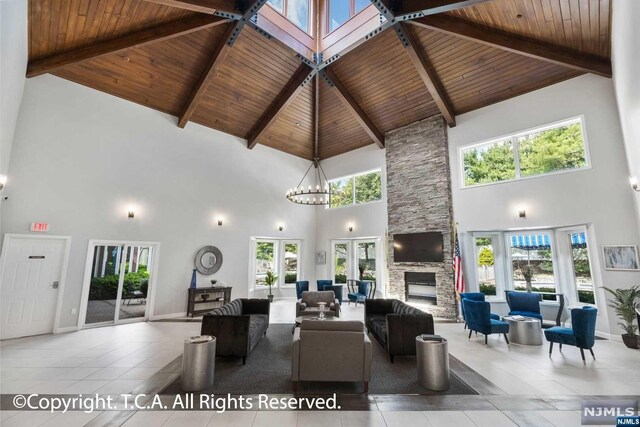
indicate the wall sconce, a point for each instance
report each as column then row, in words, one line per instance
column 131, row 214
column 220, row 222
column 522, row 213
column 633, row 182
column 280, row 227
column 350, row 228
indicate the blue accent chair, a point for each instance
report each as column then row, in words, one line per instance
column 474, row 296
column 582, row 333
column 327, row 285
column 479, row 319
column 301, row 286
column 363, row 292
column 524, row 304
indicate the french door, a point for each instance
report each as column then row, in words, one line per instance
column 359, row 259
column 118, row 283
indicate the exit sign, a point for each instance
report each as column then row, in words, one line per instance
column 41, row 227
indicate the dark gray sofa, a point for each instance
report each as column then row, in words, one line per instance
column 395, row 325
column 237, row 326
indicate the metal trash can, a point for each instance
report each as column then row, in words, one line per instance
column 433, row 362
column 198, row 363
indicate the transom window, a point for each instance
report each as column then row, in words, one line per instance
column 296, row 11
column 550, row 149
column 340, row 11
column 356, row 189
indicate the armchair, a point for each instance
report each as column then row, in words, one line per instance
column 308, row 304
column 331, row 351
column 327, row 285
column 360, row 293
column 582, row 333
column 301, row 286
column 474, row 296
column 524, row 304
column 479, row 319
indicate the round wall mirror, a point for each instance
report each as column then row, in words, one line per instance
column 208, row 260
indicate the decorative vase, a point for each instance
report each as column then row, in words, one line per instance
column 193, row 279
column 631, row 341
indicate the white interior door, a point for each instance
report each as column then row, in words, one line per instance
column 31, row 276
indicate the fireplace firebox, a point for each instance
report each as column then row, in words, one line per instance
column 420, row 286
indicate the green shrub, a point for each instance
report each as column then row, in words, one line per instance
column 340, row 278
column 106, row 287
column 290, row 277
column 488, row 288
column 586, row 297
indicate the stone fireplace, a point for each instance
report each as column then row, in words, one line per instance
column 419, row 200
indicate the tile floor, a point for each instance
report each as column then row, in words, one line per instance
column 532, row 389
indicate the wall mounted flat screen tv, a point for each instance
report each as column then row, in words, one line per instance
column 418, row 247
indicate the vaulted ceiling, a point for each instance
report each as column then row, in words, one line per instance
column 228, row 67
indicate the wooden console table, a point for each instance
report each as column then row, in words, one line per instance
column 218, row 296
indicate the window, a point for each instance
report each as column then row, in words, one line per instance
column 486, row 261
column 265, row 260
column 297, row 11
column 281, row 257
column 366, row 252
column 532, row 263
column 291, row 252
column 356, row 189
column 555, row 148
column 340, row 257
column 341, row 10
column 581, row 267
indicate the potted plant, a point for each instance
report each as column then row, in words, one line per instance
column 623, row 302
column 270, row 280
column 527, row 273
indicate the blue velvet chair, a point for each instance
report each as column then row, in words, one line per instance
column 301, row 286
column 524, row 304
column 327, row 285
column 479, row 319
column 581, row 334
column 474, row 296
column 362, row 293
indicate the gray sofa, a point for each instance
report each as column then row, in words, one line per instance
column 237, row 326
column 331, row 351
column 308, row 304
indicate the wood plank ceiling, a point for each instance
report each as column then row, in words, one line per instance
column 222, row 71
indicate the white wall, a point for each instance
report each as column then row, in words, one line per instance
column 625, row 58
column 599, row 196
column 82, row 157
column 13, row 65
column 369, row 220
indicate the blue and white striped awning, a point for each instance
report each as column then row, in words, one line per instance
column 543, row 241
column 579, row 240
column 531, row 241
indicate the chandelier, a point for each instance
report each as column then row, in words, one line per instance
column 318, row 195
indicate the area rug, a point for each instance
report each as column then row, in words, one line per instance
column 268, row 370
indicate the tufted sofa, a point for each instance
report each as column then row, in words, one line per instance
column 395, row 325
column 237, row 326
column 308, row 304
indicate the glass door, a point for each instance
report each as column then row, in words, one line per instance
column 118, row 284
column 135, row 286
column 341, row 262
column 367, row 260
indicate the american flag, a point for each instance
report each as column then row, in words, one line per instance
column 457, row 265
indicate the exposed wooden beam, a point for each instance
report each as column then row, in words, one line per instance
column 416, row 8
column 202, row 6
column 426, row 71
column 353, row 107
column 207, row 76
column 516, row 44
column 300, row 78
column 137, row 39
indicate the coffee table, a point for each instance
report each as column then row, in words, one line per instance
column 524, row 330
